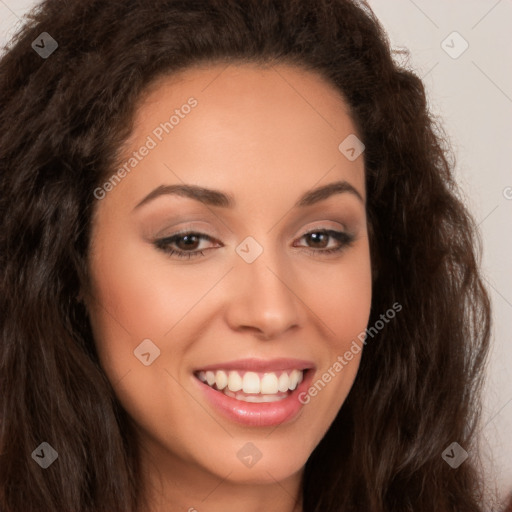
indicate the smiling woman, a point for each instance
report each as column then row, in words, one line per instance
column 240, row 339
column 277, row 307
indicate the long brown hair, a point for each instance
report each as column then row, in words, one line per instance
column 62, row 121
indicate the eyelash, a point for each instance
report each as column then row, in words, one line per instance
column 345, row 240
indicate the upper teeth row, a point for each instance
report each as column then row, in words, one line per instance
column 268, row 384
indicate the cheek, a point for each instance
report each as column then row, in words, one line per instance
column 341, row 295
column 134, row 300
column 139, row 294
column 347, row 307
column 130, row 304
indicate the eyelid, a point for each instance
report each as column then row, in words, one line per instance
column 184, row 232
column 192, row 227
column 323, row 225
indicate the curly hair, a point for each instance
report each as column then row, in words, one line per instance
column 63, row 121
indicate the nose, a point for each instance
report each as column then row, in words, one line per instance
column 263, row 299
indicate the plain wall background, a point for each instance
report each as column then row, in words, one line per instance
column 472, row 94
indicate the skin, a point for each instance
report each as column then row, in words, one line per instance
column 265, row 136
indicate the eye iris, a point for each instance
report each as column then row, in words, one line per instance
column 319, row 238
column 190, row 242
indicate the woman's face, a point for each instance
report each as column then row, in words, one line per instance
column 271, row 285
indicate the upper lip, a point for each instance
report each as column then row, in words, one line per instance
column 260, row 365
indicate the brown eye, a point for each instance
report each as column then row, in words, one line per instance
column 183, row 245
column 187, row 242
column 318, row 241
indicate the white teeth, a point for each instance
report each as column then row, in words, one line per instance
column 252, row 383
column 234, row 381
column 210, row 378
column 269, row 384
column 221, row 379
column 283, row 382
column 294, row 379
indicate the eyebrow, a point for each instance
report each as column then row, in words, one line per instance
column 216, row 198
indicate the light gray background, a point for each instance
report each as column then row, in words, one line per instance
column 472, row 94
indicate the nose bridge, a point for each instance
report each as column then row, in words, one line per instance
column 262, row 299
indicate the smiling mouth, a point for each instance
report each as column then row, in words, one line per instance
column 255, row 387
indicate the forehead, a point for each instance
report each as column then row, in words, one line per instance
column 250, row 126
column 248, row 87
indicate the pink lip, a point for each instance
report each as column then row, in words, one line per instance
column 260, row 365
column 258, row 414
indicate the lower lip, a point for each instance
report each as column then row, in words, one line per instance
column 266, row 414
